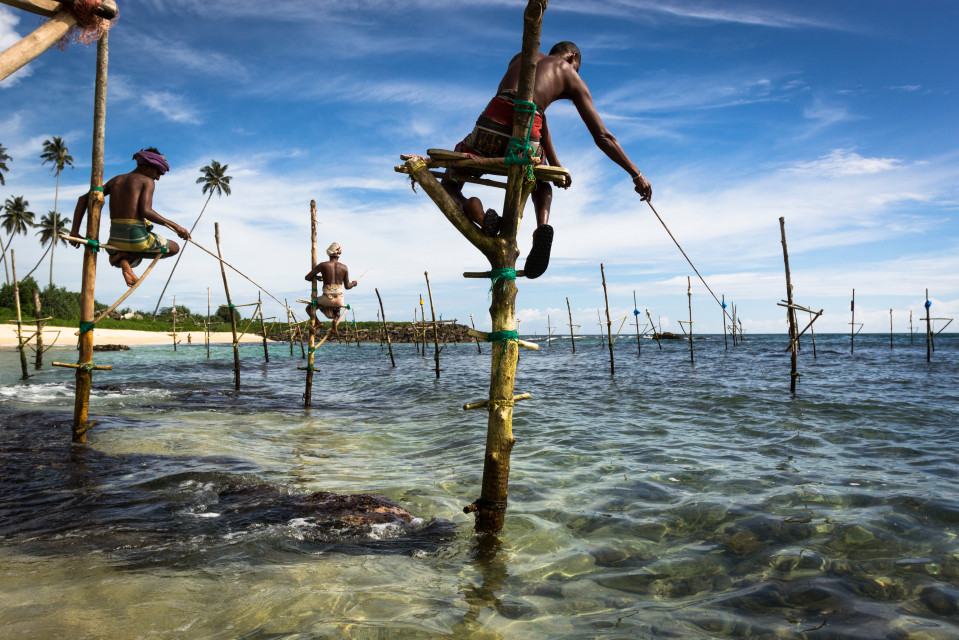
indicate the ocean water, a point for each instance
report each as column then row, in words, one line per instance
column 668, row 500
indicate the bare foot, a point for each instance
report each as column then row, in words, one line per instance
column 128, row 275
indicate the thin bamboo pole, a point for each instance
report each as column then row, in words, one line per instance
column 928, row 328
column 639, row 345
column 38, row 361
column 689, row 293
column 229, row 302
column 436, row 338
column 812, row 334
column 911, row 332
column 725, row 341
column 386, row 331
column 259, row 306
column 174, row 323
column 609, row 322
column 656, row 334
column 473, row 324
column 790, row 313
column 289, row 324
column 890, row 328
column 423, row 326
column 852, row 324
column 311, row 359
column 356, row 330
column 84, row 375
column 572, row 336
column 16, row 297
column 549, row 332
column 206, row 327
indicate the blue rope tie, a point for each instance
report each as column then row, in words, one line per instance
column 928, row 303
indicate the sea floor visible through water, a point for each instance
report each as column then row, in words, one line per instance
column 670, row 499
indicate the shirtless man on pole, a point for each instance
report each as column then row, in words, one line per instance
column 131, row 215
column 557, row 78
column 336, row 277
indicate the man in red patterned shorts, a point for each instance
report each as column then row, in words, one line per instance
column 557, row 78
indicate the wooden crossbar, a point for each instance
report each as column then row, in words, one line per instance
column 482, row 404
column 482, row 335
column 442, row 158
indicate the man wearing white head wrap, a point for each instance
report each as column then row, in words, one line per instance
column 336, row 277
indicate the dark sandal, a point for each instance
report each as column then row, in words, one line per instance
column 538, row 259
column 491, row 223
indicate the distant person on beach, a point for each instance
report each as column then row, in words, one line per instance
column 336, row 277
column 132, row 215
column 557, row 78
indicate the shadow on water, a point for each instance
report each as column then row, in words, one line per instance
column 179, row 511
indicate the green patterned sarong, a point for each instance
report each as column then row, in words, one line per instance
column 134, row 236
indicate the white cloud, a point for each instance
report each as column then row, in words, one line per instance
column 9, row 37
column 171, row 106
column 844, row 162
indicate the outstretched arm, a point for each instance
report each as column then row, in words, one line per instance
column 145, row 206
column 604, row 139
column 346, row 279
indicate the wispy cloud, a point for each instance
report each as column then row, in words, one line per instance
column 9, row 37
column 171, row 107
column 843, row 162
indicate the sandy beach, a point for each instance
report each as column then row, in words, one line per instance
column 8, row 336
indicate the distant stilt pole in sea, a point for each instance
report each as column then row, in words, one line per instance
column 308, row 394
column 174, row 323
column 38, row 361
column 890, row 328
column 233, row 312
column 423, row 325
column 790, row 314
column 206, row 327
column 852, row 324
column 609, row 322
column 911, row 332
column 21, row 347
column 289, row 324
column 812, row 335
column 689, row 294
column 549, row 331
column 572, row 336
column 436, row 331
column 259, row 307
column 928, row 329
column 725, row 341
column 473, row 324
column 656, row 334
column 639, row 343
column 386, row 330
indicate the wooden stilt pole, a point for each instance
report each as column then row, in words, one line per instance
column 639, row 342
column 423, row 326
column 473, row 324
column 656, row 333
column 852, row 324
column 206, row 327
column 386, row 330
column 38, row 361
column 725, row 341
column 812, row 334
column 790, row 313
column 84, row 375
column 689, row 293
column 733, row 328
column 928, row 328
column 549, row 332
column 233, row 312
column 436, row 338
column 572, row 335
column 308, row 394
column 174, row 323
column 289, row 324
column 22, row 348
column 609, row 322
column 911, row 332
column 890, row 328
column 259, row 307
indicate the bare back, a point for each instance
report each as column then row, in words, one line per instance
column 334, row 272
column 556, row 79
column 131, row 195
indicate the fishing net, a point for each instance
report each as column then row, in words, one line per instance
column 89, row 26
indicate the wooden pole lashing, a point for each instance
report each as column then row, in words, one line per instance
column 233, row 312
column 84, row 375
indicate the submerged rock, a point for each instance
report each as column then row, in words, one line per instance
column 110, row 347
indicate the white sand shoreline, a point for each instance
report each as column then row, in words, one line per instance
column 8, row 336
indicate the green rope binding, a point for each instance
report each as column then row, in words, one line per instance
column 500, row 275
column 100, row 189
column 86, row 326
column 520, row 152
column 505, row 337
column 93, row 244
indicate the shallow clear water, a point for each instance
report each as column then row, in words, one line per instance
column 670, row 500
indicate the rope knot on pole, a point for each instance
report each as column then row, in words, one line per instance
column 482, row 503
column 86, row 326
column 520, row 152
column 500, row 275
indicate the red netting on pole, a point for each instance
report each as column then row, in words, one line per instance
column 89, row 26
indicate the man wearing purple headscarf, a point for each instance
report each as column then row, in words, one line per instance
column 132, row 215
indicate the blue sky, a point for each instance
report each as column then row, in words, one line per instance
column 839, row 116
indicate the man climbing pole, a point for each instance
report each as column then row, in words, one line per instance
column 132, row 215
column 336, row 277
column 557, row 78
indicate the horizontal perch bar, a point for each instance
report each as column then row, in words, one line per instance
column 84, row 241
column 795, row 306
column 485, row 274
column 473, row 333
column 480, row 404
column 95, row 367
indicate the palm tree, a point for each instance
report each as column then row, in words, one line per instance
column 214, row 180
column 57, row 153
column 51, row 226
column 15, row 219
column 4, row 158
